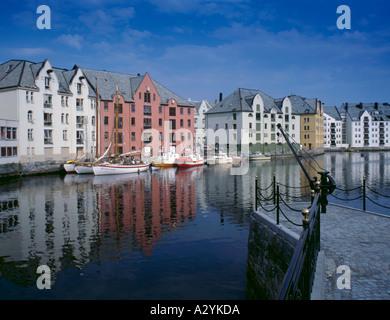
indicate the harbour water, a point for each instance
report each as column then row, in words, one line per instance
column 170, row 234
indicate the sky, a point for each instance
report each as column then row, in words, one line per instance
column 200, row 48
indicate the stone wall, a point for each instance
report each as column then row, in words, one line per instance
column 29, row 168
column 270, row 249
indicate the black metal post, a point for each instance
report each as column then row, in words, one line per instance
column 364, row 193
column 277, row 203
column 256, row 193
column 274, row 188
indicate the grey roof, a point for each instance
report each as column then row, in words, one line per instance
column 378, row 111
column 302, row 105
column 241, row 100
column 332, row 112
column 22, row 73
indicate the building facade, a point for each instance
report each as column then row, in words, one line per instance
column 333, row 129
column 367, row 125
column 247, row 121
column 53, row 115
column 201, row 107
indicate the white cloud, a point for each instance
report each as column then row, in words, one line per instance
column 74, row 41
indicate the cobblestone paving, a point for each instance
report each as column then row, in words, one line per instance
column 358, row 240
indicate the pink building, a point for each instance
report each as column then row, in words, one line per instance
column 150, row 116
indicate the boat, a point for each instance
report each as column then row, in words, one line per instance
column 220, row 158
column 154, row 167
column 69, row 166
column 84, row 167
column 189, row 161
column 166, row 159
column 118, row 168
column 258, row 156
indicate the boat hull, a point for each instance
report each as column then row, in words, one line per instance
column 106, row 169
column 190, row 164
column 70, row 167
column 84, row 169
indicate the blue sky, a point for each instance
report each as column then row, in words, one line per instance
column 199, row 48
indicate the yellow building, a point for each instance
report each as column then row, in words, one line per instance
column 311, row 123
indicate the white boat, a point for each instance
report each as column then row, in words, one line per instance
column 69, row 166
column 258, row 156
column 189, row 161
column 84, row 168
column 239, row 160
column 166, row 159
column 220, row 158
column 113, row 168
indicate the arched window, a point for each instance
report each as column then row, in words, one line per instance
column 29, row 116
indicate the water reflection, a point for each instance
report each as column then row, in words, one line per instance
column 141, row 230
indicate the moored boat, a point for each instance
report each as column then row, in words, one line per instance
column 69, row 166
column 220, row 158
column 166, row 159
column 189, row 161
column 257, row 156
column 113, row 168
column 84, row 168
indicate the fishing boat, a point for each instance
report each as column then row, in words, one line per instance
column 257, row 156
column 69, row 166
column 166, row 159
column 189, row 161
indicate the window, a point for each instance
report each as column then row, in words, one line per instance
column 27, row 97
column 258, row 116
column 189, row 111
column 147, row 110
column 172, row 124
column 105, row 106
column 133, row 136
column 63, row 118
column 147, row 97
column 106, row 121
column 181, row 110
column 181, row 123
column 133, row 108
column 30, row 135
column 160, row 122
column 172, row 111
column 133, row 121
column 65, row 135
column 79, row 88
column 47, row 82
column 119, row 107
column 234, row 116
column 93, row 121
column 79, row 121
column 105, row 136
column 147, row 123
column 79, row 137
column 189, row 123
column 160, row 109
column 47, row 119
column 272, row 117
column 48, row 136
column 47, row 101
column 79, row 104
column 29, row 116
column 154, row 97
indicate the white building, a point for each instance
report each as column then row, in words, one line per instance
column 8, row 141
column 201, row 107
column 333, row 128
column 246, row 121
column 55, row 114
column 367, row 125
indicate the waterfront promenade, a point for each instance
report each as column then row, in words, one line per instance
column 356, row 239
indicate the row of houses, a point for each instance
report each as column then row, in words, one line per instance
column 357, row 125
column 49, row 113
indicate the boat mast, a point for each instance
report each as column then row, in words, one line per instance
column 116, row 124
column 97, row 122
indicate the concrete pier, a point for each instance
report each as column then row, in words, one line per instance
column 355, row 246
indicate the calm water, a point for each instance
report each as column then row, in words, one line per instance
column 172, row 234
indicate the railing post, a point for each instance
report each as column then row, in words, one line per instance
column 364, row 193
column 277, row 203
column 274, row 188
column 256, row 193
column 313, row 193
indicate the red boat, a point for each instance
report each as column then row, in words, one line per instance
column 189, row 161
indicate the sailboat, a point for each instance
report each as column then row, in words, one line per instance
column 119, row 166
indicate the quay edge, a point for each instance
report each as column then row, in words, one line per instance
column 12, row 170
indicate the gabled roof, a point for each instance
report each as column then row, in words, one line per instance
column 332, row 112
column 378, row 111
column 241, row 100
column 301, row 105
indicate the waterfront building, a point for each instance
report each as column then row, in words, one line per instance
column 333, row 129
column 246, row 122
column 311, row 122
column 201, row 107
column 8, row 141
column 54, row 113
column 367, row 124
column 150, row 116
